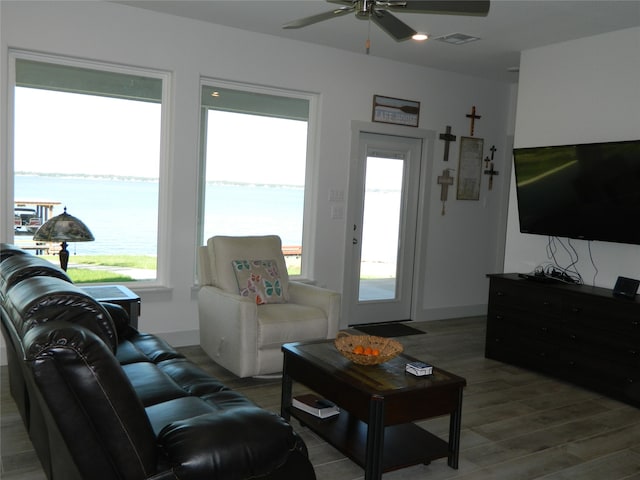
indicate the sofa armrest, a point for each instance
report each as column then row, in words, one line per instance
column 229, row 329
column 245, row 443
column 121, row 320
column 326, row 300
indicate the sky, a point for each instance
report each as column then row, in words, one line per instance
column 257, row 149
column 58, row 132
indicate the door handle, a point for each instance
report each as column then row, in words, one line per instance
column 354, row 241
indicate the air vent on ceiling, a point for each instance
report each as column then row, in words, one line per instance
column 457, row 38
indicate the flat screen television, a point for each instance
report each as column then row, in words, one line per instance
column 587, row 191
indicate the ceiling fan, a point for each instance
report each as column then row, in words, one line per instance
column 379, row 11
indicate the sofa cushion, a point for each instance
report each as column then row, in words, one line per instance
column 38, row 300
column 191, row 378
column 259, row 279
column 144, row 347
column 162, row 414
column 19, row 267
column 151, row 384
column 175, row 378
column 209, row 443
column 8, row 250
column 283, row 323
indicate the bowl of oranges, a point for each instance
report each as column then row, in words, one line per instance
column 367, row 349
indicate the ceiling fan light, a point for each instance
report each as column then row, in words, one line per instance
column 420, row 37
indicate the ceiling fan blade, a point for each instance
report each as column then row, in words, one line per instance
column 303, row 22
column 446, row 7
column 392, row 25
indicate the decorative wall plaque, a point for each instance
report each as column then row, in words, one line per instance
column 396, row 111
column 470, row 168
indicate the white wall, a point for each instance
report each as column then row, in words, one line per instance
column 461, row 247
column 581, row 91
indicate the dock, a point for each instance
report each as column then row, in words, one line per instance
column 292, row 250
column 44, row 211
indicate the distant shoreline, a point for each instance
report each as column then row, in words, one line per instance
column 119, row 178
column 128, row 178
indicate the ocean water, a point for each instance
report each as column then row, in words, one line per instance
column 123, row 214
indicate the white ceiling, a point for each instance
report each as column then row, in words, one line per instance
column 510, row 27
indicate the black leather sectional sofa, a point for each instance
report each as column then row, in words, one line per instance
column 101, row 400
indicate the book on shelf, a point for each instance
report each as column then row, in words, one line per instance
column 316, row 406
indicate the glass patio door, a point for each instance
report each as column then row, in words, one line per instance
column 384, row 229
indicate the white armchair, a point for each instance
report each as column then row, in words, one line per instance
column 238, row 333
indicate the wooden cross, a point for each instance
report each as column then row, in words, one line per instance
column 491, row 172
column 493, row 150
column 473, row 117
column 486, row 161
column 447, row 137
column 444, row 181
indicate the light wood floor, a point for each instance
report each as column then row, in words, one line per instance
column 516, row 424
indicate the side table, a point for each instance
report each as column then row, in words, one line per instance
column 120, row 295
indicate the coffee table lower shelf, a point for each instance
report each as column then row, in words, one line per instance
column 404, row 445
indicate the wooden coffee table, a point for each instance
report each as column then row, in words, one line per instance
column 378, row 405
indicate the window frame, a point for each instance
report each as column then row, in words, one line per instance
column 7, row 178
column 310, row 187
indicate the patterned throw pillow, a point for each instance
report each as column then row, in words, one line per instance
column 259, row 279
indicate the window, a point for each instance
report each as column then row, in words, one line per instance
column 254, row 161
column 89, row 139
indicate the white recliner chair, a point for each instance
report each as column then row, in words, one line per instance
column 248, row 307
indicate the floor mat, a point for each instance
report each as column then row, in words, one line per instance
column 388, row 330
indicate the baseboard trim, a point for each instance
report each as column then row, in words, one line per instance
column 451, row 312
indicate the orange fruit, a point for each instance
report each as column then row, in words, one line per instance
column 375, row 352
column 367, row 351
column 358, row 349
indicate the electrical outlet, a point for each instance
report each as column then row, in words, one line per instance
column 336, row 195
column 337, row 212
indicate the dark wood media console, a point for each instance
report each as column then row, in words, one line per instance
column 581, row 334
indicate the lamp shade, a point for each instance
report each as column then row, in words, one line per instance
column 63, row 228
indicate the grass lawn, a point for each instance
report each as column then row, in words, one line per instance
column 80, row 275
column 103, row 275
